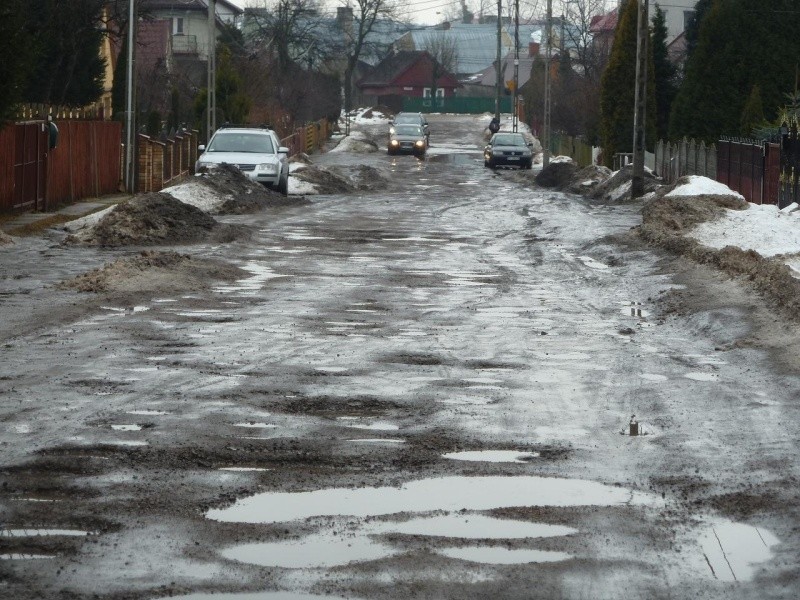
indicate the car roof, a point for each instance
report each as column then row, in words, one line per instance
column 256, row 130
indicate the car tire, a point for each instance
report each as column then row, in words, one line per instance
column 528, row 165
column 492, row 164
column 283, row 185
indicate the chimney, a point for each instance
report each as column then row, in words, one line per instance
column 533, row 49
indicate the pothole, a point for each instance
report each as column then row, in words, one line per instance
column 503, row 556
column 494, row 456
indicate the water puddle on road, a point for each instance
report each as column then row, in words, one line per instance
column 23, row 556
column 131, row 427
column 733, row 551
column 445, row 493
column 313, row 551
column 477, row 527
column 254, row 425
column 151, row 413
column 260, row 275
column 20, row 533
column 256, row 596
column 653, row 377
column 503, row 556
column 244, row 469
column 494, row 456
column 378, row 441
column 377, row 426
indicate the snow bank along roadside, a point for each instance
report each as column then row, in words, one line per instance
column 710, row 224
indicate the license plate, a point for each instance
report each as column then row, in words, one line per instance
column 513, row 158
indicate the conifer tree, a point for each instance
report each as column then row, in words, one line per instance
column 618, row 89
column 14, row 63
column 741, row 43
column 665, row 73
column 753, row 113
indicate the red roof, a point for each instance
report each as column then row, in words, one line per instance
column 604, row 23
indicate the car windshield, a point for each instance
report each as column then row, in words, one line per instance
column 241, row 142
column 408, row 130
column 407, row 119
column 509, row 140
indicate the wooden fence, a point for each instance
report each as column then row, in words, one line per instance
column 574, row 147
column 160, row 163
column 85, row 163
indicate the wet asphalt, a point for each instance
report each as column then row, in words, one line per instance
column 424, row 391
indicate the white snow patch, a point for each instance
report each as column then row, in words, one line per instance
column 696, row 186
column 762, row 228
column 196, row 194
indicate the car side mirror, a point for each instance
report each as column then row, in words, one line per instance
column 201, row 148
column 283, row 150
column 530, row 144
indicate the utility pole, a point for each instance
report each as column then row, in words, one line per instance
column 130, row 121
column 640, row 101
column 548, row 55
column 211, row 97
column 499, row 78
column 515, row 114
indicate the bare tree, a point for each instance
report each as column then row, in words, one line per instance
column 444, row 52
column 577, row 35
column 365, row 14
column 289, row 29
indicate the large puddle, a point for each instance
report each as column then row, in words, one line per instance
column 444, row 494
column 440, row 516
column 256, row 596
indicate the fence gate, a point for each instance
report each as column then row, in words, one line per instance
column 30, row 165
column 790, row 167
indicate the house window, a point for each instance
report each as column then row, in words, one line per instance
column 177, row 25
column 426, row 92
column 440, row 92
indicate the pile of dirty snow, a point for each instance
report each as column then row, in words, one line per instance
column 151, row 272
column 694, row 185
column 320, row 180
column 5, row 239
column 149, row 219
column 357, row 142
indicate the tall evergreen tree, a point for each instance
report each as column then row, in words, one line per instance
column 693, row 26
column 753, row 113
column 742, row 43
column 14, row 61
column 68, row 68
column 665, row 73
column 618, row 89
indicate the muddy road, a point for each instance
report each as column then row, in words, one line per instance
column 423, row 391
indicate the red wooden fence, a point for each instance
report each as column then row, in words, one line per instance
column 86, row 163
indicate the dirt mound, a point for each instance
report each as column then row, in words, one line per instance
column 667, row 219
column 154, row 272
column 5, row 239
column 324, row 180
column 678, row 214
column 588, row 178
column 557, row 175
column 361, row 177
column 617, row 188
column 149, row 219
column 235, row 193
column 357, row 143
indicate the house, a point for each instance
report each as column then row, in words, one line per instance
column 677, row 14
column 189, row 22
column 406, row 74
column 475, row 45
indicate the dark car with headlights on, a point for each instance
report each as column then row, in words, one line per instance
column 508, row 149
column 408, row 139
column 410, row 118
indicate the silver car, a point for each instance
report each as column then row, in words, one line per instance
column 507, row 148
column 256, row 152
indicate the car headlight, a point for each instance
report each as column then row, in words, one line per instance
column 394, row 143
column 268, row 168
column 391, row 130
column 419, row 143
column 202, row 165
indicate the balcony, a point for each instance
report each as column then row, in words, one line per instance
column 184, row 44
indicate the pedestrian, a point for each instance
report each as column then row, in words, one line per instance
column 494, row 126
